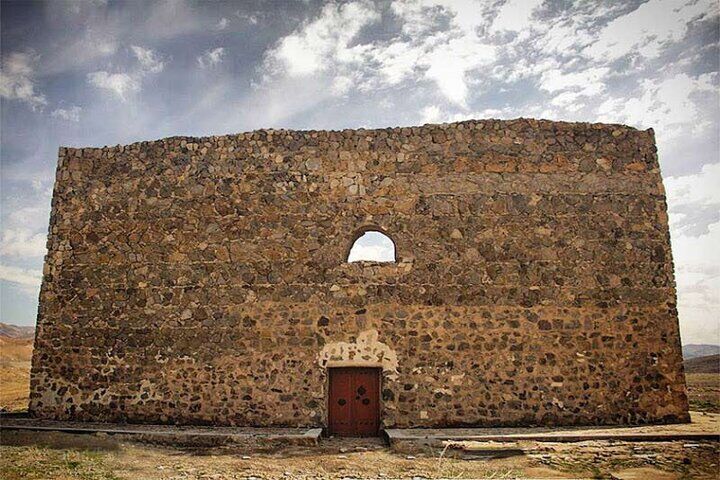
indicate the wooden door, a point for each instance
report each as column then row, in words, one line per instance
column 354, row 402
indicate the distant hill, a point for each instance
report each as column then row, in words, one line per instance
column 699, row 350
column 14, row 331
column 706, row 364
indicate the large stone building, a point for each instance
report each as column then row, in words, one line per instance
column 206, row 281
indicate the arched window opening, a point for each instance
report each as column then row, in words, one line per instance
column 372, row 246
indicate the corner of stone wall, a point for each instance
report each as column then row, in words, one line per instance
column 656, row 171
column 50, row 244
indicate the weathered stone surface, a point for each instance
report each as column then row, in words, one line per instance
column 204, row 280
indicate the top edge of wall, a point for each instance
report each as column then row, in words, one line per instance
column 477, row 124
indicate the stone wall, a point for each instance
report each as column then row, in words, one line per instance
column 204, row 280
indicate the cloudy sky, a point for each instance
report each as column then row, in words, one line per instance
column 104, row 72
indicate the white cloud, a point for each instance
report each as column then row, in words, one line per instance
column 374, row 247
column 211, row 58
column 701, row 188
column 325, row 45
column 249, row 18
column 697, row 271
column 25, row 280
column 124, row 83
column 573, row 85
column 446, row 57
column 78, row 7
column 431, row 114
column 17, row 79
column 668, row 105
column 38, row 184
column 435, row 114
column 648, row 29
column 568, row 100
column 88, row 40
column 696, row 256
column 370, row 253
column 222, row 24
column 341, row 85
column 24, row 224
column 21, row 276
column 81, row 51
column 565, row 36
column 118, row 83
column 694, row 200
column 17, row 213
column 442, row 42
column 585, row 82
column 397, row 61
column 587, row 36
column 149, row 60
column 448, row 64
column 71, row 114
column 318, row 44
column 166, row 19
column 22, row 242
column 515, row 15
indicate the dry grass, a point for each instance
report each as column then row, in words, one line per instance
column 14, row 386
column 43, row 463
column 16, row 349
column 15, row 356
column 102, row 457
column 704, row 391
column 58, row 455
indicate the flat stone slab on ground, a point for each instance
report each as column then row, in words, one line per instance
column 173, row 434
column 704, row 426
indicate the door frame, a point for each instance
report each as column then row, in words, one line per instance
column 379, row 371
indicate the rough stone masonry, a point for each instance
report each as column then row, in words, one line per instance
column 205, row 280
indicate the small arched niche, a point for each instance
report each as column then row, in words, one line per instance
column 372, row 246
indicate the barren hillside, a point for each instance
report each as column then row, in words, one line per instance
column 15, row 331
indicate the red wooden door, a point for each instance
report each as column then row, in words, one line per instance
column 354, row 402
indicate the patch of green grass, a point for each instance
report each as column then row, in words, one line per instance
column 43, row 463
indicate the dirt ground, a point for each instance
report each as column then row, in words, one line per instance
column 31, row 455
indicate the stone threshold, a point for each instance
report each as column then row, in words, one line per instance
column 397, row 435
column 704, row 427
column 187, row 436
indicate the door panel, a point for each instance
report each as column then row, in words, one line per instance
column 365, row 402
column 340, row 403
column 354, row 401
